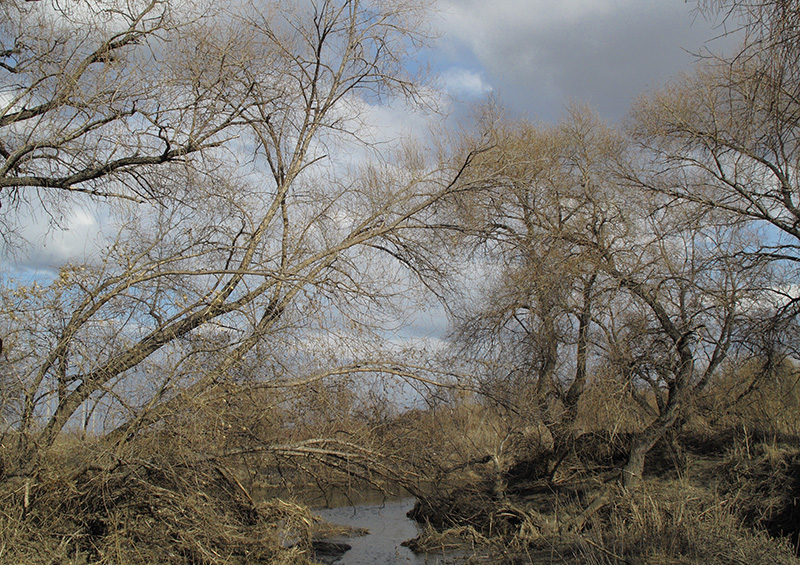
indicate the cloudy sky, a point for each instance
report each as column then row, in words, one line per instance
column 532, row 55
column 535, row 55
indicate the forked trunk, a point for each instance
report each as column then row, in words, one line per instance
column 644, row 442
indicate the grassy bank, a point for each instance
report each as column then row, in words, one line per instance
column 730, row 498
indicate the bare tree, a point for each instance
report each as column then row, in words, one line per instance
column 545, row 193
column 764, row 25
column 725, row 136
column 97, row 94
column 723, row 140
column 592, row 266
column 691, row 300
column 252, row 251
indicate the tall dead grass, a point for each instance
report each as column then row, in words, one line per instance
column 673, row 522
column 84, row 507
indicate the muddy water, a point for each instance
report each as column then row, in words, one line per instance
column 388, row 528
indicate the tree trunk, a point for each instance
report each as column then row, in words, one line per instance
column 644, row 442
column 634, row 468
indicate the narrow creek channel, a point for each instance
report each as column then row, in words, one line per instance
column 388, row 528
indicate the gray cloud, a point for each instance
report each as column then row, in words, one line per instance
column 539, row 54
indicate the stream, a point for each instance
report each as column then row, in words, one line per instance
column 388, row 528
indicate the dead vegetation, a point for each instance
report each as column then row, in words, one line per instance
column 489, row 486
column 230, row 489
column 711, row 493
column 634, row 343
column 81, row 508
column 725, row 509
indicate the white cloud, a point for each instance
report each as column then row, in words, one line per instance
column 49, row 247
column 465, row 83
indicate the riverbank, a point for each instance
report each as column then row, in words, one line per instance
column 703, row 505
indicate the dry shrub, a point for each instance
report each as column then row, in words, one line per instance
column 601, row 450
column 607, row 406
column 470, row 504
column 675, row 523
column 530, row 456
column 753, row 394
column 465, row 430
column 431, row 540
column 447, row 442
column 134, row 510
column 764, row 481
column 662, row 522
column 468, row 544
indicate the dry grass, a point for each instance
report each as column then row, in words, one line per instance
column 669, row 522
column 713, row 493
column 721, row 488
column 134, row 510
column 674, row 522
column 764, row 481
column 691, row 509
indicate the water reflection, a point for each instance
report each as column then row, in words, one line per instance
column 388, row 528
